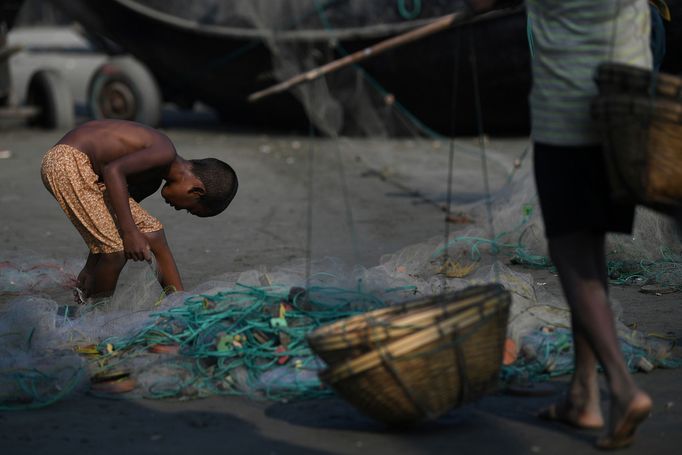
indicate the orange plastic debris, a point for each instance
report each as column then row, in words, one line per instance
column 164, row 348
column 283, row 358
column 118, row 386
column 511, row 352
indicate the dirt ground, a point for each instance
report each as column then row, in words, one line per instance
column 266, row 226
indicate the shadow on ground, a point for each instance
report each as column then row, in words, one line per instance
column 98, row 426
column 495, row 422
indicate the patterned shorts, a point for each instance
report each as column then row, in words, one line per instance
column 68, row 175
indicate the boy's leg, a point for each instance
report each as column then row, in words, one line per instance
column 106, row 273
column 169, row 277
column 108, row 266
column 85, row 279
column 578, row 258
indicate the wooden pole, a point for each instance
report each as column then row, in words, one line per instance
column 413, row 35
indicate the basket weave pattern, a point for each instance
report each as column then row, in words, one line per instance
column 664, row 169
column 359, row 334
column 641, row 118
column 423, row 373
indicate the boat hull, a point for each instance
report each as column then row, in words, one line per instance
column 437, row 81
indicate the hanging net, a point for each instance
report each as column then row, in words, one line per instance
column 243, row 333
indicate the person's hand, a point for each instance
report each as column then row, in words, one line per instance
column 136, row 246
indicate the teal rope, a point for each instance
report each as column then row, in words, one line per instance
column 496, row 244
column 206, row 365
column 409, row 14
column 213, row 361
column 37, row 388
column 554, row 357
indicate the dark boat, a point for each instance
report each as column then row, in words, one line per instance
column 218, row 52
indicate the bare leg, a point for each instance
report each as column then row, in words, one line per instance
column 169, row 277
column 581, row 407
column 85, row 279
column 579, row 259
column 106, row 272
column 108, row 267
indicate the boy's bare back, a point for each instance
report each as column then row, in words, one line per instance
column 105, row 141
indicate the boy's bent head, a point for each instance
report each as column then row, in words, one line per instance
column 220, row 184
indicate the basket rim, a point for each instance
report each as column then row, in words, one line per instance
column 606, row 107
column 406, row 323
column 657, row 78
column 404, row 345
column 406, row 307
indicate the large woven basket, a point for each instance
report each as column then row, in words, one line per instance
column 424, row 374
column 620, row 79
column 360, row 334
column 641, row 118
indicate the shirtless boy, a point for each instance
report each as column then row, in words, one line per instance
column 101, row 170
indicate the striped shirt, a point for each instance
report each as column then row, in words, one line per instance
column 571, row 38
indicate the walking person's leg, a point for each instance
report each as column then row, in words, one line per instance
column 578, row 258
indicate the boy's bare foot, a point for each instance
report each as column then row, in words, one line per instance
column 624, row 422
column 566, row 413
column 79, row 296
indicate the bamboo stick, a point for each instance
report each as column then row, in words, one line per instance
column 413, row 35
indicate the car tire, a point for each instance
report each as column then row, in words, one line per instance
column 49, row 92
column 123, row 88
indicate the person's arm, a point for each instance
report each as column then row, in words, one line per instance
column 161, row 153
column 168, row 274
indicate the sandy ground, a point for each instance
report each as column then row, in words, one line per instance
column 266, row 226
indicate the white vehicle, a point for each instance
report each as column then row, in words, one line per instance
column 56, row 73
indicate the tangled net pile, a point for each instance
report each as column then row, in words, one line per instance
column 245, row 341
column 228, row 336
column 246, row 336
column 249, row 339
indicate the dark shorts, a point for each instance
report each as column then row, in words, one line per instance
column 574, row 191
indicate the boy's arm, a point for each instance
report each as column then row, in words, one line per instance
column 160, row 154
column 169, row 277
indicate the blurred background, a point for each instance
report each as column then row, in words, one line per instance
column 178, row 64
column 151, row 60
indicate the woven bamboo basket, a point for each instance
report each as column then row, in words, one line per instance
column 641, row 118
column 424, row 374
column 360, row 334
column 620, row 79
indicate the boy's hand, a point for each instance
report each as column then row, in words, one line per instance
column 136, row 246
